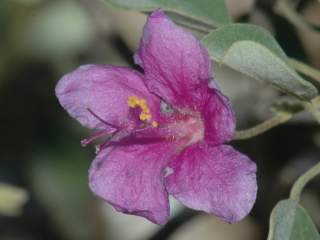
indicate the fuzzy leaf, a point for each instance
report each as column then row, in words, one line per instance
column 221, row 39
column 259, row 63
column 289, row 221
column 252, row 51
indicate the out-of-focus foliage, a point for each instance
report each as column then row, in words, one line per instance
column 59, row 30
column 59, row 180
column 12, row 199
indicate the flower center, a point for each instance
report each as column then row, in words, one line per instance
column 188, row 128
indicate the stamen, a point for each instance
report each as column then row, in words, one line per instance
column 145, row 114
column 101, row 120
column 143, row 105
column 133, row 101
column 95, row 136
column 154, row 124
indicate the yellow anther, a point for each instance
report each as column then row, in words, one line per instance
column 144, row 116
column 142, row 102
column 154, row 124
column 144, row 106
column 145, row 109
column 133, row 101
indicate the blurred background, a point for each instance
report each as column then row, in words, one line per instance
column 40, row 150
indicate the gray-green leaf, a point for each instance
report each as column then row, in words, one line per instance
column 251, row 50
column 289, row 221
column 258, row 62
column 212, row 12
column 221, row 39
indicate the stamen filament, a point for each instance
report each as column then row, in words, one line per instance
column 95, row 136
column 101, row 120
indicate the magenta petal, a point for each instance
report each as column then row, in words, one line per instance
column 173, row 60
column 218, row 116
column 104, row 90
column 217, row 180
column 130, row 177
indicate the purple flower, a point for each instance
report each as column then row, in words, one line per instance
column 164, row 130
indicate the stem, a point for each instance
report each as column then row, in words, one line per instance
column 301, row 182
column 263, row 127
column 305, row 69
column 283, row 7
column 313, row 107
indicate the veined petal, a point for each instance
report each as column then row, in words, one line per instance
column 130, row 177
column 217, row 180
column 104, row 90
column 217, row 114
column 174, row 61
